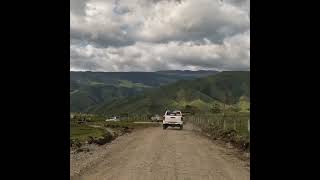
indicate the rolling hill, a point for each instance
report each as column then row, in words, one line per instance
column 231, row 88
column 93, row 89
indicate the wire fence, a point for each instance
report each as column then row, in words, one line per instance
column 239, row 122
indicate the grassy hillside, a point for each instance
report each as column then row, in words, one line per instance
column 92, row 89
column 231, row 88
column 86, row 96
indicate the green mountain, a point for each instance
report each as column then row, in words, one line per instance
column 93, row 89
column 203, row 94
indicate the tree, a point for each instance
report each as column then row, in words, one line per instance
column 235, row 108
column 215, row 108
column 191, row 109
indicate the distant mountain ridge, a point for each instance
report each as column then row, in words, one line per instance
column 89, row 89
column 230, row 87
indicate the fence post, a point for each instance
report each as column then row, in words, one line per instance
column 224, row 124
column 240, row 124
column 202, row 122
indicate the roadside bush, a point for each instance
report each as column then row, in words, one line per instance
column 75, row 143
column 104, row 139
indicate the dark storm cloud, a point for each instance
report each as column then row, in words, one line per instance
column 78, row 6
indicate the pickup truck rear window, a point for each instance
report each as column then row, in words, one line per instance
column 173, row 114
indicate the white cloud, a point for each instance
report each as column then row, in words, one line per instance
column 192, row 20
column 232, row 54
column 145, row 35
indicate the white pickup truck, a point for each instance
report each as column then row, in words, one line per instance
column 173, row 119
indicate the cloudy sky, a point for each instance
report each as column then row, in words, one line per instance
column 152, row 35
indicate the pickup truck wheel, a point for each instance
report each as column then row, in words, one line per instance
column 164, row 126
column 181, row 127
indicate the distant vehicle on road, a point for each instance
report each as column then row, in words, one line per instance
column 156, row 118
column 115, row 118
column 173, row 119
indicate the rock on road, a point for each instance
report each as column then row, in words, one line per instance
column 154, row 153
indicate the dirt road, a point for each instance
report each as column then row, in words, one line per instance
column 153, row 153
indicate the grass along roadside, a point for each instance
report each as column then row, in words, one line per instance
column 97, row 131
column 85, row 134
column 231, row 128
